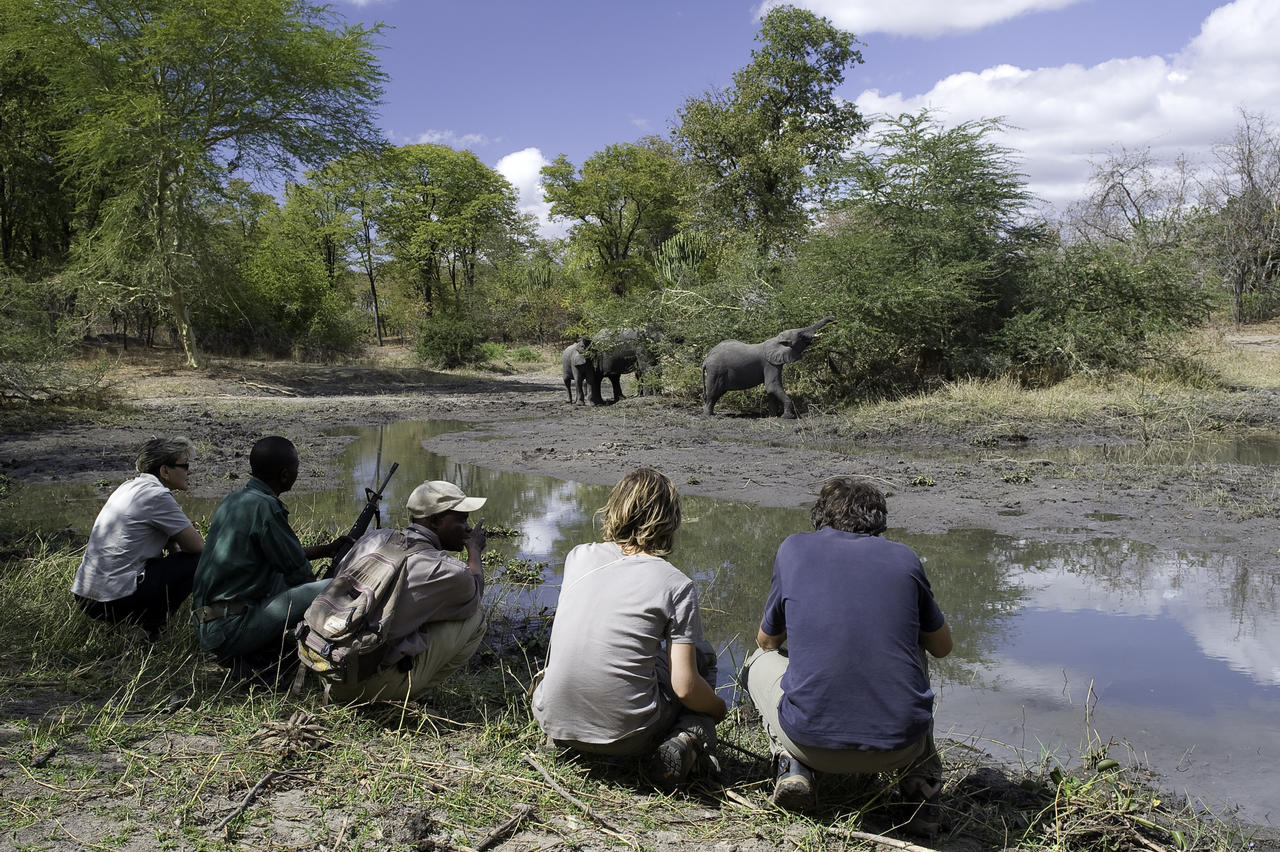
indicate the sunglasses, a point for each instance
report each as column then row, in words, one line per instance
column 183, row 465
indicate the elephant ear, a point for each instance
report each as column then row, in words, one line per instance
column 778, row 352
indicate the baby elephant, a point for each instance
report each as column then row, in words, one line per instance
column 576, row 363
column 734, row 365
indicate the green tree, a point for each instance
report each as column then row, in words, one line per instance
column 921, row 259
column 166, row 98
column 443, row 208
column 624, row 204
column 764, row 147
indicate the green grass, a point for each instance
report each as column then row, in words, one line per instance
column 156, row 745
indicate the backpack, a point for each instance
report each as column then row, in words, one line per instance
column 341, row 636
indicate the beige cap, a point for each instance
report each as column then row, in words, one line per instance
column 438, row 495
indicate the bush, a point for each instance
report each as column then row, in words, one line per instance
column 1090, row 310
column 490, row 351
column 447, row 340
column 525, row 355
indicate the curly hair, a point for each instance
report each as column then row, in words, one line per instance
column 643, row 512
column 158, row 452
column 850, row 505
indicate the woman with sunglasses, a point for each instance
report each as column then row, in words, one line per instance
column 125, row 575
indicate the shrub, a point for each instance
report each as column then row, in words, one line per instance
column 448, row 340
column 525, row 355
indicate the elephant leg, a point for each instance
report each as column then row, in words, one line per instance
column 568, row 386
column 779, row 402
column 616, row 379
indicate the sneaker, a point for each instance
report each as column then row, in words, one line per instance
column 674, row 759
column 794, row 788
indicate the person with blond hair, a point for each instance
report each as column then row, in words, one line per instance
column 629, row 672
column 126, row 575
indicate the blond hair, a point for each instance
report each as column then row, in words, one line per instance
column 643, row 512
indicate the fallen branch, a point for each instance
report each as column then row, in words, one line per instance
column 567, row 796
column 508, row 828
column 248, row 799
column 881, row 840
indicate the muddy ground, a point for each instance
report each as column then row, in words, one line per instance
column 523, row 423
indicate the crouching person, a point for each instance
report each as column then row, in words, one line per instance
column 431, row 622
column 629, row 672
column 849, row 690
column 254, row 579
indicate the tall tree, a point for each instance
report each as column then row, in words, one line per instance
column 764, row 146
column 35, row 206
column 1244, row 195
column 623, row 204
column 167, row 98
column 442, row 207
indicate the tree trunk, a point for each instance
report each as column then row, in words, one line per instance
column 182, row 321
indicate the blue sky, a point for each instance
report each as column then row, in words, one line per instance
column 519, row 82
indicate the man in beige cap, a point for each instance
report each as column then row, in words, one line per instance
column 439, row 622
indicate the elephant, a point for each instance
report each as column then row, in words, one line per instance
column 576, row 364
column 734, row 365
column 608, row 354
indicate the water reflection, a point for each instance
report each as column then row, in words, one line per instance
column 1176, row 652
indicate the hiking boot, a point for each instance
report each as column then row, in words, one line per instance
column 920, row 800
column 674, row 760
column 925, row 821
column 794, row 788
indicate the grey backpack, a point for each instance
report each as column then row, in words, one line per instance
column 342, row 636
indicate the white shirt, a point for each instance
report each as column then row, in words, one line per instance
column 135, row 525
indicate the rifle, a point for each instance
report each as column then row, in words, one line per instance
column 361, row 526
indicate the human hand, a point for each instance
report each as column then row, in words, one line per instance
column 477, row 538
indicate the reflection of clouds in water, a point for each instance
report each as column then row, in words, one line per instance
column 1213, row 598
column 558, row 509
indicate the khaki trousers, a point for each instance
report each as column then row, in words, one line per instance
column 449, row 645
column 764, row 670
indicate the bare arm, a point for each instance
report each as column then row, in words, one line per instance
column 937, row 643
column 693, row 692
column 187, row 541
column 770, row 643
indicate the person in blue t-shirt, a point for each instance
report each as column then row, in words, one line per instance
column 841, row 679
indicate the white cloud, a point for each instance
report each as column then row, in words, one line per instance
column 1067, row 116
column 523, row 170
column 452, row 139
column 921, row 17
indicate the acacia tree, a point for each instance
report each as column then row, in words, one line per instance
column 166, row 98
column 623, row 204
column 35, row 206
column 764, row 146
column 442, row 208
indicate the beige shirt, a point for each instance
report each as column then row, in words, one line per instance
column 438, row 587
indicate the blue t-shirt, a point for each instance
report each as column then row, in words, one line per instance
column 853, row 607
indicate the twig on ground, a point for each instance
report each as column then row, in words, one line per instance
column 567, row 796
column 248, row 799
column 342, row 833
column 508, row 828
column 881, row 840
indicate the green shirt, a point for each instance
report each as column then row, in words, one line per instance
column 250, row 547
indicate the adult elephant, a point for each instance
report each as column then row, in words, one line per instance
column 734, row 365
column 577, row 364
